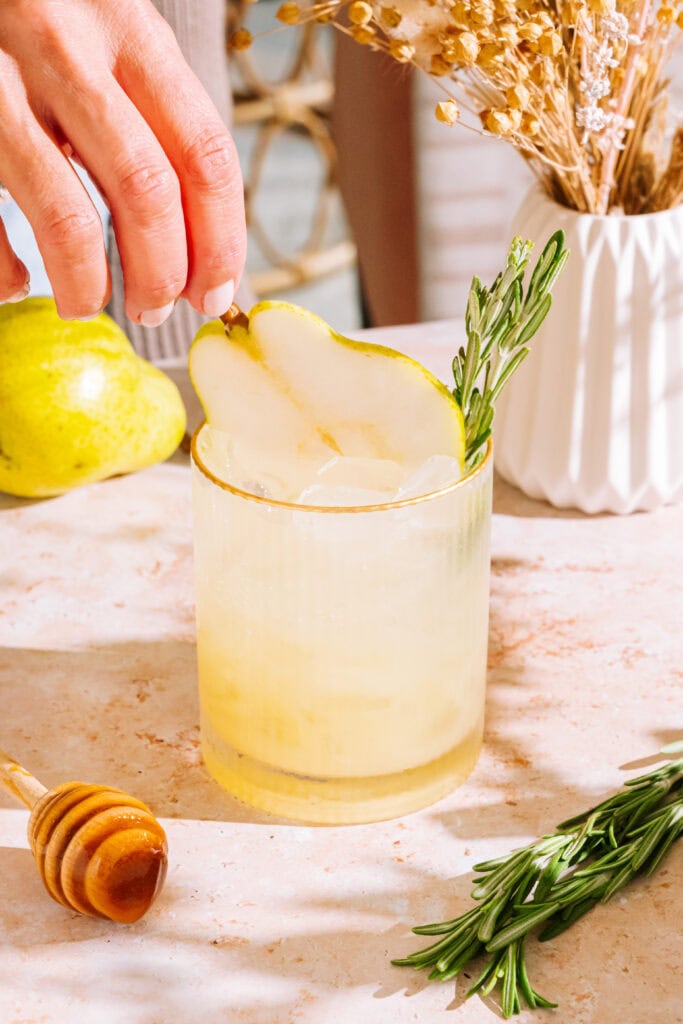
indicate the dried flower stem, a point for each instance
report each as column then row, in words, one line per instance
column 652, row 92
column 622, row 107
column 670, row 189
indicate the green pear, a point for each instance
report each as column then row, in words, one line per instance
column 76, row 403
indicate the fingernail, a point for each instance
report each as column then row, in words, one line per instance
column 21, row 294
column 155, row 317
column 219, row 300
column 93, row 316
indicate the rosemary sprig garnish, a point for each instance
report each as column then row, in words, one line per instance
column 499, row 322
column 555, row 881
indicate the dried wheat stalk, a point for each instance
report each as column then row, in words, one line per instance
column 669, row 190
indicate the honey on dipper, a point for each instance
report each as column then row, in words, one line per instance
column 98, row 850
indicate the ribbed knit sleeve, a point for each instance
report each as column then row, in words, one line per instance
column 199, row 26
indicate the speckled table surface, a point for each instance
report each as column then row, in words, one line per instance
column 263, row 922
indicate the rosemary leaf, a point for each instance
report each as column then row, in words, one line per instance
column 509, row 981
column 464, row 956
column 523, row 978
column 534, row 321
column 520, row 926
column 446, row 926
column 507, row 372
column 549, row 875
column 488, row 972
column 489, row 920
column 499, row 321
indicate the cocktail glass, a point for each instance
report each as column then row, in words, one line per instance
column 342, row 651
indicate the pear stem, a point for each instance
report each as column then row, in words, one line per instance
column 235, row 318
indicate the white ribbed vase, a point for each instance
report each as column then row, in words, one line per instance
column 593, row 419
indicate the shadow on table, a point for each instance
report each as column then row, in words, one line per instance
column 126, row 715
column 9, row 501
column 20, row 885
column 529, row 795
column 245, row 980
column 662, row 738
column 571, row 969
column 160, row 977
column 508, row 500
column 122, row 714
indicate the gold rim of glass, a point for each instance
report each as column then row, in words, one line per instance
column 293, row 506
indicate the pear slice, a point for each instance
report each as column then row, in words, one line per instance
column 290, row 392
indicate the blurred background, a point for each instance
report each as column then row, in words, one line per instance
column 451, row 191
column 300, row 241
column 360, row 204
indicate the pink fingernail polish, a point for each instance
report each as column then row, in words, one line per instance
column 156, row 317
column 219, row 300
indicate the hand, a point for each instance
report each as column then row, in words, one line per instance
column 105, row 82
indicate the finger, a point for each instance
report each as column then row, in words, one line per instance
column 200, row 148
column 14, row 279
column 44, row 185
column 66, row 225
column 141, row 188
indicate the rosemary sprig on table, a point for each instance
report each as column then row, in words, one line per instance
column 499, row 322
column 555, row 881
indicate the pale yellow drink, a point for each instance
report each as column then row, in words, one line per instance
column 342, row 652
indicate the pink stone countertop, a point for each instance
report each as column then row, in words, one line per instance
column 262, row 922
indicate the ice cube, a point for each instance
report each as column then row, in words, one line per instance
column 213, row 447
column 372, row 474
column 274, row 474
column 330, row 496
column 435, row 473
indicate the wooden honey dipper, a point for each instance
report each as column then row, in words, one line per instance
column 98, row 850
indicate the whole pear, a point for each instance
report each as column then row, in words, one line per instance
column 76, row 403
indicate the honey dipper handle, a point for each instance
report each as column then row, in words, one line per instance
column 20, row 783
